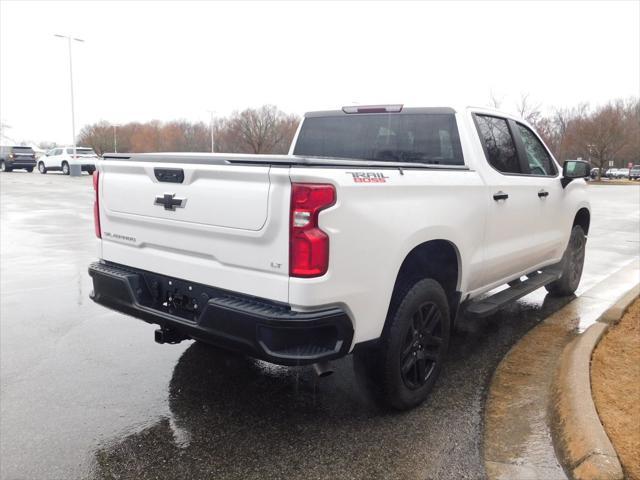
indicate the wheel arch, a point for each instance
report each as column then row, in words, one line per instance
column 582, row 218
column 438, row 259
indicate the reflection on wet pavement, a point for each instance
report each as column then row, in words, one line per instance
column 87, row 394
column 234, row 417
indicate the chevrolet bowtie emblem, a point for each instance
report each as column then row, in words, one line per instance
column 170, row 202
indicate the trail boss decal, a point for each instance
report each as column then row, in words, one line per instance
column 368, row 177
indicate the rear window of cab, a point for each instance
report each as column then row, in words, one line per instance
column 388, row 137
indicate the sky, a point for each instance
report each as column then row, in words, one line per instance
column 177, row 60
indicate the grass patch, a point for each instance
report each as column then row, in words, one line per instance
column 615, row 385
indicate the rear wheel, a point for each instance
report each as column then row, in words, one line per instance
column 42, row 168
column 571, row 265
column 404, row 368
column 29, row 169
column 3, row 167
column 65, row 168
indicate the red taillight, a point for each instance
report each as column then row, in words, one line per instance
column 308, row 245
column 96, row 204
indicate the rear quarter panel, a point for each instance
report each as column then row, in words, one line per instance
column 372, row 228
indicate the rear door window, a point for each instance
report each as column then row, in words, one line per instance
column 388, row 137
column 498, row 144
column 539, row 160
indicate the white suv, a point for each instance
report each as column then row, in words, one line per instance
column 61, row 159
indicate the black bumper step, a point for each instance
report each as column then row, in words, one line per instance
column 256, row 327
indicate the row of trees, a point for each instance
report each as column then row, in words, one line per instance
column 607, row 133
column 260, row 130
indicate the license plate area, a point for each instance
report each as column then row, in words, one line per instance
column 174, row 296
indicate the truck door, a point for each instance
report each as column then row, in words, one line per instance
column 513, row 236
column 553, row 219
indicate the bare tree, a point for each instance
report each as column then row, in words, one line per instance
column 494, row 101
column 528, row 110
column 262, row 130
column 603, row 134
column 98, row 136
column 47, row 145
column 630, row 153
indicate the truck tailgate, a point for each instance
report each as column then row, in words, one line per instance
column 217, row 224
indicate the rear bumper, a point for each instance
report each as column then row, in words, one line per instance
column 21, row 163
column 256, row 327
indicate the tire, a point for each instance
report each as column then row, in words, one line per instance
column 404, row 367
column 3, row 167
column 29, row 169
column 65, row 168
column 571, row 264
column 41, row 168
column 90, row 171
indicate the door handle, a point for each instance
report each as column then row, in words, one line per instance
column 500, row 196
column 543, row 193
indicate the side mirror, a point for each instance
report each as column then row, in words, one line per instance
column 572, row 169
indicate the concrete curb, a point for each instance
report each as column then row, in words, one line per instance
column 579, row 437
column 520, row 436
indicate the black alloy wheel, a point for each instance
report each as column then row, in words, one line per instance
column 422, row 346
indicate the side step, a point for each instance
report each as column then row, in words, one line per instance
column 490, row 305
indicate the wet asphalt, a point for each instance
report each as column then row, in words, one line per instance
column 86, row 393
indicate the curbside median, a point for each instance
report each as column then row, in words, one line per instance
column 536, row 424
column 579, row 436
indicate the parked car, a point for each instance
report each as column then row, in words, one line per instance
column 62, row 158
column 622, row 173
column 382, row 225
column 17, row 157
column 634, row 173
column 611, row 173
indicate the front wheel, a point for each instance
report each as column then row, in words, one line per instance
column 42, row 168
column 571, row 265
column 404, row 368
column 65, row 168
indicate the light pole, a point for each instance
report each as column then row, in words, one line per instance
column 211, row 127
column 115, row 137
column 73, row 117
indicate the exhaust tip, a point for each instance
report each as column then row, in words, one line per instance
column 323, row 369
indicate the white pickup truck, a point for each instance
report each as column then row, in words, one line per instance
column 380, row 228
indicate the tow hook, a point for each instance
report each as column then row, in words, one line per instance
column 168, row 335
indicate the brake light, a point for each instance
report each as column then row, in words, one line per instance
column 96, row 204
column 308, row 245
column 373, row 109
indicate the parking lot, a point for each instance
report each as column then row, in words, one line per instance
column 86, row 393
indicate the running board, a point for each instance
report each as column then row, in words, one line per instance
column 490, row 305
